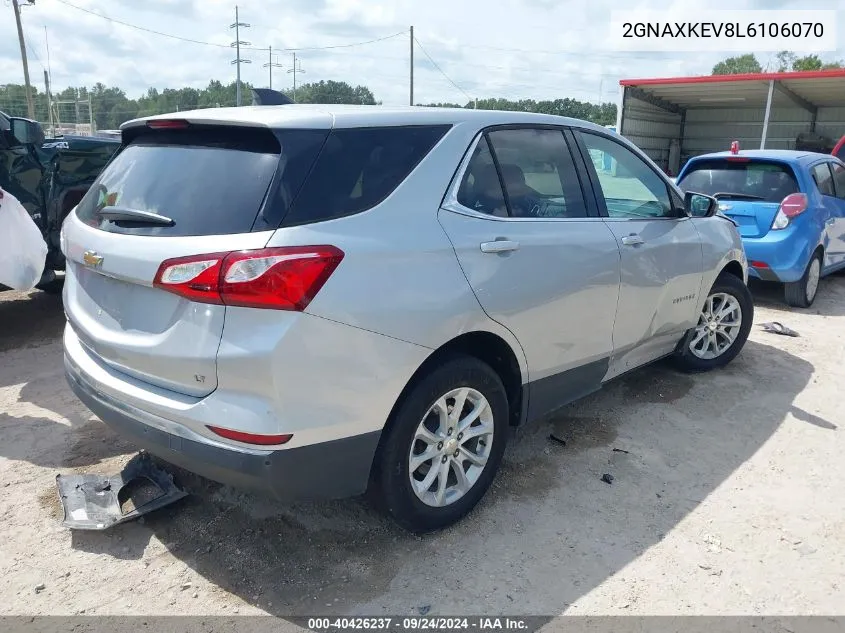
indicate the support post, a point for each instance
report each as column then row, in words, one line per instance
column 620, row 110
column 49, row 103
column 766, row 116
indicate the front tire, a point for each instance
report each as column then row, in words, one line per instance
column 802, row 293
column 722, row 329
column 443, row 446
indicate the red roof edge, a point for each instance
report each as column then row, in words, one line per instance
column 706, row 79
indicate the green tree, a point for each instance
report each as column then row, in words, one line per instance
column 814, row 62
column 738, row 65
column 789, row 61
column 333, row 92
column 786, row 61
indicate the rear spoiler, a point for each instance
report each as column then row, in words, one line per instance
column 267, row 97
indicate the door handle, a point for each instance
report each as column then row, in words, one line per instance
column 632, row 240
column 499, row 246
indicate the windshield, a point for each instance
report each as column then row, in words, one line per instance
column 751, row 180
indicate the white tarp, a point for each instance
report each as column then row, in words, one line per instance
column 22, row 248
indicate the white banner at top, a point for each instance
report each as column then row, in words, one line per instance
column 694, row 29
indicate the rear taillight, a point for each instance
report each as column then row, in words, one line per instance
column 284, row 278
column 793, row 205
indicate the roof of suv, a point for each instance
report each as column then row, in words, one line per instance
column 342, row 116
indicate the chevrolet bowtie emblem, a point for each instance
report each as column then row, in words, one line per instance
column 92, row 259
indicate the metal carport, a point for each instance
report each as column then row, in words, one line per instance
column 676, row 118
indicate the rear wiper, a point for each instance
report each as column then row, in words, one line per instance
column 739, row 196
column 134, row 215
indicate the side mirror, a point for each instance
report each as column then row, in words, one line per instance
column 26, row 131
column 699, row 205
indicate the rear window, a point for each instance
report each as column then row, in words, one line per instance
column 752, row 180
column 358, row 168
column 209, row 180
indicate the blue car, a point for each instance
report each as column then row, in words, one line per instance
column 789, row 207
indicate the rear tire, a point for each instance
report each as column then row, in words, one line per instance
column 433, row 495
column 802, row 293
column 723, row 327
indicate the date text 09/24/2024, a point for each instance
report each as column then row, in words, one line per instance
column 418, row 624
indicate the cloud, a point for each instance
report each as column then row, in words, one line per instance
column 512, row 48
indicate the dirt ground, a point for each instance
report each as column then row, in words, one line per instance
column 727, row 499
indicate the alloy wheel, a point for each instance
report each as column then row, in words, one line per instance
column 451, row 447
column 718, row 326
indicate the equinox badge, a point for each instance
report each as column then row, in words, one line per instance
column 92, row 259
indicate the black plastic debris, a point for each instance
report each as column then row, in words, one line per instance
column 606, row 478
column 621, row 450
column 779, row 328
column 559, row 440
column 97, row 502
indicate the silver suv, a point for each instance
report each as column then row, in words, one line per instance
column 318, row 301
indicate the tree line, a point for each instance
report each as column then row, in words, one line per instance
column 110, row 106
column 601, row 113
column 787, row 61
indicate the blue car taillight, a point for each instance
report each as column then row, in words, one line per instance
column 793, row 205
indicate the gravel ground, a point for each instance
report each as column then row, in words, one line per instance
column 726, row 499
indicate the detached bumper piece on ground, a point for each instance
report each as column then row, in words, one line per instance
column 97, row 502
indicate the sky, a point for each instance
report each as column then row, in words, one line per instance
column 539, row 49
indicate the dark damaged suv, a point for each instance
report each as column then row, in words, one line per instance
column 49, row 177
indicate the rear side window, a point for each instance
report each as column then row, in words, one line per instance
column 823, row 179
column 838, row 179
column 741, row 179
column 209, row 181
column 481, row 189
column 358, row 168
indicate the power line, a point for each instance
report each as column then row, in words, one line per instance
column 325, row 48
column 204, row 43
column 651, row 56
column 434, row 63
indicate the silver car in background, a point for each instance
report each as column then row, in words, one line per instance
column 322, row 301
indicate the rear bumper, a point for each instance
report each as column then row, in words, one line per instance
column 327, row 470
column 786, row 254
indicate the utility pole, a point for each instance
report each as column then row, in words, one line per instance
column 271, row 65
column 90, row 115
column 412, row 66
column 238, row 61
column 295, row 69
column 30, row 106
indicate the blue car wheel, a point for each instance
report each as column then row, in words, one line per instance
column 802, row 293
